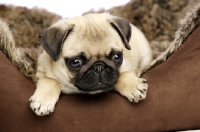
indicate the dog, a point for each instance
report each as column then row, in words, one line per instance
column 90, row 54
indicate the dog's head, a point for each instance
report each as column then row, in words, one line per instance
column 88, row 49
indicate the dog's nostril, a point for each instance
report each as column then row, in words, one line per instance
column 99, row 68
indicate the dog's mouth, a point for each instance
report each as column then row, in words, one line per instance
column 98, row 77
column 96, row 87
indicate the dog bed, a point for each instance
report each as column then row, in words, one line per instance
column 172, row 103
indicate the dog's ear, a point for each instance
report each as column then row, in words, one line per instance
column 123, row 28
column 52, row 40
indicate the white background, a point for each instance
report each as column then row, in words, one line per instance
column 67, row 8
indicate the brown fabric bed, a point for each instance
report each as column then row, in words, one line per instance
column 172, row 103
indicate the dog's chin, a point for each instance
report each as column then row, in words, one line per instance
column 97, row 88
column 96, row 92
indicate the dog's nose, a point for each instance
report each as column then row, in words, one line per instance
column 99, row 66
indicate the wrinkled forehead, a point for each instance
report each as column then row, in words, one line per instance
column 92, row 34
column 92, row 28
column 77, row 45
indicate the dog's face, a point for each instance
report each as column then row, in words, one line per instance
column 87, row 50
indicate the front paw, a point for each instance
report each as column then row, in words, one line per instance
column 43, row 101
column 42, row 105
column 132, row 87
column 137, row 90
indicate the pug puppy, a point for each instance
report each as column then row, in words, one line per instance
column 90, row 54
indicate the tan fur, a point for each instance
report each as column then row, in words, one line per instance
column 48, row 93
column 94, row 36
column 157, row 19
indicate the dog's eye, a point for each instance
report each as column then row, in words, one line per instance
column 75, row 62
column 117, row 58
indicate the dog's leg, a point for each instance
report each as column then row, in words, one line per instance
column 132, row 87
column 45, row 97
